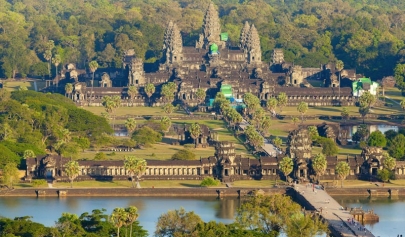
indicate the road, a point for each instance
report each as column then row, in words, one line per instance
column 332, row 211
column 269, row 148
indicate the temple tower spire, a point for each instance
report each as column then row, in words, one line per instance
column 211, row 28
column 254, row 52
column 173, row 44
column 244, row 35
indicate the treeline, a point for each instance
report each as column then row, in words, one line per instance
column 366, row 35
column 33, row 123
column 258, row 216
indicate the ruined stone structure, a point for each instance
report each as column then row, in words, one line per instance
column 210, row 64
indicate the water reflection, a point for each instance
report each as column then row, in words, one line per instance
column 348, row 131
column 227, row 208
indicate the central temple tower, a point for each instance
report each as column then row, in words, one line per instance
column 211, row 29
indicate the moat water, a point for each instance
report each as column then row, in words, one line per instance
column 47, row 210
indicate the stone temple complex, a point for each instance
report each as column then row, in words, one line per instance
column 210, row 64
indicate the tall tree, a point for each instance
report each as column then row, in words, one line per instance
column 56, row 61
column 132, row 216
column 282, row 100
column 402, row 103
column 165, row 123
column 302, row 109
column 177, row 223
column 29, row 154
column 345, row 113
column 68, row 89
column 118, row 218
column 168, row 108
column 377, row 138
column 93, row 65
column 48, row 56
column 363, row 111
column 200, row 93
column 319, row 165
column 286, row 166
column 130, row 125
column 342, row 170
column 149, row 90
column 339, row 66
column 135, row 168
column 251, row 101
column 195, row 132
column 132, row 91
column 10, row 174
column 389, row 162
column 271, row 105
column 72, row 170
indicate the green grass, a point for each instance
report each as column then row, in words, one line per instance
column 135, row 111
column 255, row 183
column 13, row 85
column 128, row 184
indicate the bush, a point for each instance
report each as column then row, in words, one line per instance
column 100, row 156
column 209, row 182
column 38, row 182
column 184, row 154
column 146, row 136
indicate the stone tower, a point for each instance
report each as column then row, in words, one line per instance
column 211, row 29
column 244, row 35
column 299, row 144
column 278, row 56
column 136, row 74
column 254, row 52
column 173, row 44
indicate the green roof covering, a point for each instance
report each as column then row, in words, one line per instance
column 227, row 90
column 224, row 36
column 213, row 48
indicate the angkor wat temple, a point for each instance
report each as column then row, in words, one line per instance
column 211, row 63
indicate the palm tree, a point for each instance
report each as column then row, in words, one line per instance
column 345, row 113
column 282, row 100
column 56, row 61
column 342, row 171
column 302, row 108
column 48, row 57
column 277, row 142
column 134, row 167
column 271, row 105
column 149, row 90
column 402, row 103
column 93, row 65
column 319, row 165
column 339, row 66
column 195, row 131
column 72, row 170
column 130, row 124
column 200, row 93
column 168, row 108
column 69, row 89
column 286, row 166
column 132, row 216
column 165, row 123
column 132, row 91
column 294, row 120
column 118, row 218
column 108, row 104
column 29, row 154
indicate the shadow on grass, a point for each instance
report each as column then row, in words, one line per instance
column 190, row 185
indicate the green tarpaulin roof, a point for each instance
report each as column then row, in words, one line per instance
column 226, row 90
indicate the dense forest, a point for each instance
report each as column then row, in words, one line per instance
column 364, row 34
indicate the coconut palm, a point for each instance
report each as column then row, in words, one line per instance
column 48, row 57
column 271, row 105
column 339, row 66
column 108, row 104
column 135, row 168
column 93, row 65
column 149, row 90
column 195, row 132
column 130, row 125
column 302, row 108
column 345, row 113
column 132, row 216
column 342, row 170
column 132, row 91
column 168, row 108
column 286, row 166
column 118, row 218
column 319, row 165
column 294, row 120
column 56, row 61
column 68, row 89
column 72, row 170
column 277, row 142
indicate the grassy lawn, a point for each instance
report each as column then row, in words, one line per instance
column 13, row 85
column 159, row 151
column 137, row 111
column 256, row 183
column 367, row 184
column 128, row 184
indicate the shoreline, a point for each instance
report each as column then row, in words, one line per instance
column 187, row 192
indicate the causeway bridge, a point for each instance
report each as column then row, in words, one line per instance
column 330, row 210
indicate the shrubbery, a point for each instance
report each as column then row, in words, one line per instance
column 209, row 181
column 184, row 154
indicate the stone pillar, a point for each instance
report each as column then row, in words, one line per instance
column 370, row 171
column 305, row 173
